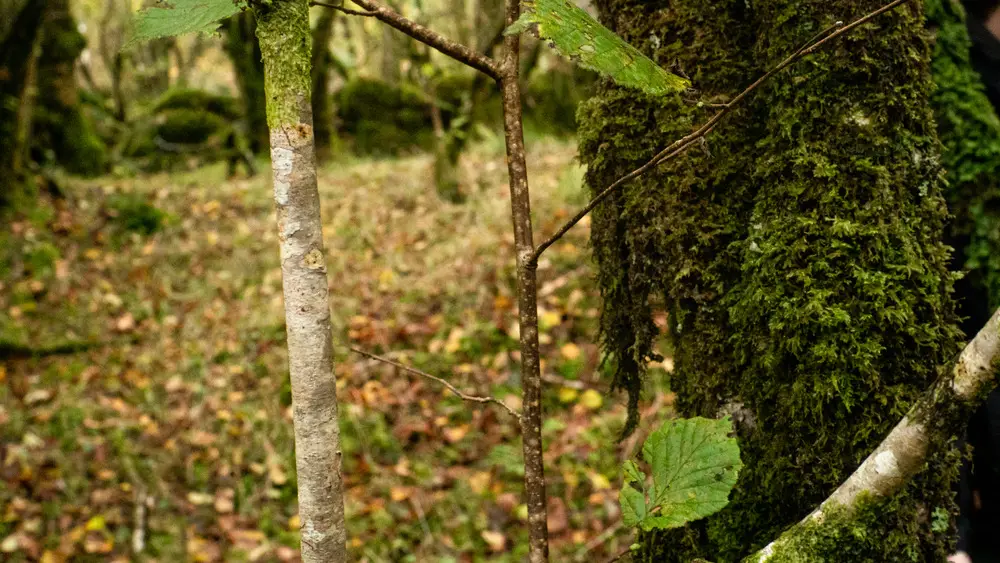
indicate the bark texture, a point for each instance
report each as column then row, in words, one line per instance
column 798, row 255
column 283, row 30
column 527, row 296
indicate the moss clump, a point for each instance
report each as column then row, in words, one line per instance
column 383, row 119
column 970, row 132
column 286, row 47
column 189, row 126
column 798, row 254
column 665, row 240
column 200, row 100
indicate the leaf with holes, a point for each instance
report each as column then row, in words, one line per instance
column 694, row 464
column 177, row 17
column 572, row 32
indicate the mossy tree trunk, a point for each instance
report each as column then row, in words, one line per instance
column 286, row 45
column 970, row 132
column 243, row 48
column 60, row 125
column 798, row 254
column 18, row 55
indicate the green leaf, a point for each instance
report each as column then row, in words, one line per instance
column 177, row 17
column 576, row 35
column 632, row 473
column 694, row 464
column 633, row 504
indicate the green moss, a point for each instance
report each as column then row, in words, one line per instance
column 798, row 253
column 194, row 99
column 664, row 241
column 286, row 46
column 383, row 119
column 189, row 126
column 970, row 132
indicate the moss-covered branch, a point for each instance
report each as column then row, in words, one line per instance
column 903, row 453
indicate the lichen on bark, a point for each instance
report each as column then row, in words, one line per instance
column 799, row 254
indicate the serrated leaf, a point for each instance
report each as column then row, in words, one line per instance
column 632, row 473
column 572, row 32
column 694, row 465
column 169, row 18
column 633, row 505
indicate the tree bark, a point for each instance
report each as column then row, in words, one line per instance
column 285, row 42
column 531, row 378
column 784, row 249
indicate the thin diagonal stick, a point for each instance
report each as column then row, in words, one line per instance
column 452, row 388
column 423, row 34
column 678, row 146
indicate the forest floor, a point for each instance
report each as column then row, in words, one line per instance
column 169, row 432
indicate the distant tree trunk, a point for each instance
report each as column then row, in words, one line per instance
column 283, row 29
column 798, row 254
column 110, row 49
column 59, row 125
column 243, row 48
column 18, row 54
column 390, row 58
column 322, row 102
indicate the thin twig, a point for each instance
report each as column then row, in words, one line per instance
column 576, row 384
column 394, row 19
column 348, row 11
column 612, row 531
column 452, row 388
column 678, row 146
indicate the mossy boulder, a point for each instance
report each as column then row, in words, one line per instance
column 383, row 119
column 187, row 125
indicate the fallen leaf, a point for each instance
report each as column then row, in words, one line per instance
column 570, row 351
column 495, row 540
column 591, row 399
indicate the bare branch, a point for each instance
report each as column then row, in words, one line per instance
column 902, row 453
column 343, row 9
column 453, row 49
column 680, row 145
column 452, row 388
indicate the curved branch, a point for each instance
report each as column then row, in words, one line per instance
column 449, row 386
column 902, row 454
